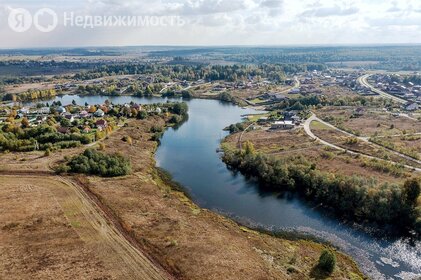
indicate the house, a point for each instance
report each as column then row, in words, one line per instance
column 69, row 117
column 276, row 96
column 86, row 129
column 158, row 110
column 296, row 120
column 263, row 120
column 83, row 114
column 24, row 111
column 295, row 91
column 101, row 124
column 44, row 110
column 99, row 113
column 359, row 111
column 137, row 106
column 41, row 119
column 63, row 130
column 412, row 107
column 61, row 110
column 285, row 125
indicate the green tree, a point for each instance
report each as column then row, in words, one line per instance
column 249, row 148
column 327, row 261
column 411, row 191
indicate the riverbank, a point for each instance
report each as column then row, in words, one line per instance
column 172, row 230
column 190, row 242
column 356, row 197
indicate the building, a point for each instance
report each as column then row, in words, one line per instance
column 285, row 125
column 70, row 117
column 359, row 111
column 101, row 124
column 63, row 130
column 412, row 107
column 99, row 113
column 61, row 110
column 83, row 115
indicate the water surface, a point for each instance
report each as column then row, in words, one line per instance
column 189, row 154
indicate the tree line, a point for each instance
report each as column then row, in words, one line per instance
column 352, row 197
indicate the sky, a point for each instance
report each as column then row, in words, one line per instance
column 221, row 22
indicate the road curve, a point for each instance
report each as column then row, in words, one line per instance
column 363, row 80
column 308, row 131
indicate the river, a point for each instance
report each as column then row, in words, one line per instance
column 189, row 154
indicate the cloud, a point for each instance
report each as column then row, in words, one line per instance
column 330, row 11
column 204, row 7
column 272, row 3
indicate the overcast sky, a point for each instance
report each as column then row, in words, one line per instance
column 226, row 22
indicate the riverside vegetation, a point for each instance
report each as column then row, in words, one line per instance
column 353, row 197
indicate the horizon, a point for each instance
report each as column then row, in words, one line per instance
column 220, row 46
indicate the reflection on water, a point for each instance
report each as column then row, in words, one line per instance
column 188, row 153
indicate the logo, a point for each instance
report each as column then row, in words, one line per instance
column 52, row 20
column 21, row 20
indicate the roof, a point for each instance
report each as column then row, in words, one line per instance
column 101, row 122
column 283, row 123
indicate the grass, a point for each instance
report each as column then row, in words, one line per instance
column 255, row 118
column 320, row 126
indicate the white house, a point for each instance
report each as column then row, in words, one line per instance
column 283, row 125
column 99, row 113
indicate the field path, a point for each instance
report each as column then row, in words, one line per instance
column 313, row 118
column 92, row 224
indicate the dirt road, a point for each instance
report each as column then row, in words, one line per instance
column 313, row 117
column 92, row 226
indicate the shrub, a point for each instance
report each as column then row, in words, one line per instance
column 97, row 163
column 127, row 139
column 157, row 129
column 354, row 197
column 327, row 261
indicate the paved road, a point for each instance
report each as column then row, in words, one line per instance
column 307, row 129
column 363, row 80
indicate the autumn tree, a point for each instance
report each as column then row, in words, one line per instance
column 25, row 122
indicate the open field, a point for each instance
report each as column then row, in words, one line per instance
column 175, row 232
column 51, row 230
column 409, row 144
column 357, row 145
column 185, row 239
column 370, row 123
column 297, row 143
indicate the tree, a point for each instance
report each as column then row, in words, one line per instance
column 65, row 122
column 327, row 261
column 25, row 122
column 249, row 148
column 92, row 109
column 142, row 115
column 411, row 191
column 180, row 108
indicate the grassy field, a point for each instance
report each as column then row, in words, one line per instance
column 166, row 225
column 50, row 230
column 371, row 123
column 296, row 143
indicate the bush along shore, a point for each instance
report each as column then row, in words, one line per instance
column 355, row 198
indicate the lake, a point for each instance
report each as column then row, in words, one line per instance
column 189, row 154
